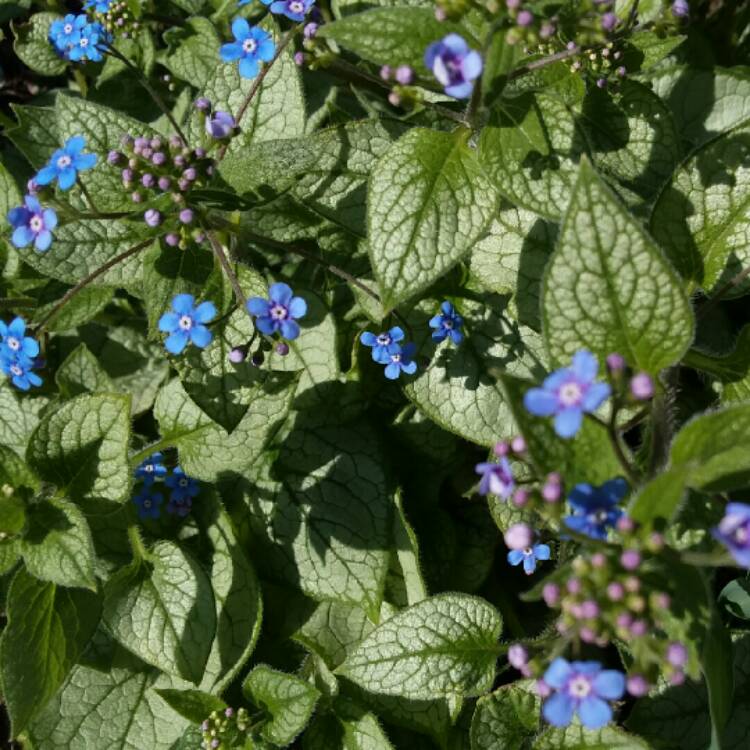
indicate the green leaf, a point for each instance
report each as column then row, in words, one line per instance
column 509, row 717
column 46, row 632
column 731, row 369
column 83, row 246
column 163, row 610
column 735, row 598
column 443, row 646
column 115, row 709
column 660, row 498
column 81, row 373
column 168, row 271
column 18, row 418
column 716, row 663
column 459, row 389
column 57, row 544
column 609, row 289
column 575, row 737
column 36, row 133
column 701, row 220
column 82, row 448
column 10, row 195
column 206, row 449
column 103, row 129
column 321, row 520
column 86, row 304
column 348, row 727
column 287, row 701
column 429, row 202
column 391, row 36
column 15, row 473
column 237, row 594
column 648, row 48
column 712, row 449
column 12, row 507
column 194, row 51
column 34, row 48
column 407, row 554
column 194, row 705
column 511, row 260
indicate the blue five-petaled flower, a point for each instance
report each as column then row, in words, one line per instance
column 448, row 323
column 384, row 344
column 183, row 490
column 64, row 33
column 454, row 65
column 87, row 46
column 32, row 223
column 148, row 502
column 294, row 10
column 279, row 313
column 497, row 478
column 186, row 323
column 583, row 688
column 151, row 469
column 251, row 46
column 17, row 353
column 66, row 163
column 528, row 556
column 401, row 360
column 568, row 394
column 734, row 531
column 595, row 509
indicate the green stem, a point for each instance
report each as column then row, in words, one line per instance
column 140, row 553
column 218, row 251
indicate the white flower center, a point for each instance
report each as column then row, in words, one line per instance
column 249, row 45
column 742, row 535
column 296, row 7
column 395, row 358
column 146, row 503
column 84, row 42
column 64, row 161
column 598, row 517
column 570, row 394
column 528, row 552
column 68, row 28
column 448, row 324
column 16, row 370
column 36, row 224
column 384, row 339
column 13, row 343
column 278, row 312
column 149, row 468
column 183, row 482
column 186, row 323
column 579, row 687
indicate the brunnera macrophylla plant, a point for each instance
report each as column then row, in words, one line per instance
column 375, row 375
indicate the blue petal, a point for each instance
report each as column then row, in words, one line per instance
column 176, row 342
column 74, row 145
column 431, row 53
column 456, row 336
column 22, row 236
column 439, row 335
column 594, row 712
column 584, row 497
column 66, row 178
column 568, row 422
column 169, row 322
column 614, row 490
column 558, row 709
column 17, row 327
column 396, row 334
column 297, row 307
column 240, row 29
column 584, row 365
column 205, row 312
column 409, row 368
column 382, row 354
column 43, row 240
column 85, row 161
column 556, row 379
column 183, row 303
column 579, row 524
column 280, row 293
column 200, row 336
column 610, row 684
column 392, row 371
column 515, row 557
column 558, row 673
column 248, row 67
column 266, row 50
column 471, row 66
column 460, row 90
column 368, row 338
column 230, row 52
column 50, row 218
column 447, row 308
column 595, row 396
column 436, row 322
column 455, row 44
column 542, row 551
column 289, row 329
column 529, row 564
column 46, row 175
column 540, row 402
column 266, row 325
column 258, row 306
column 32, row 204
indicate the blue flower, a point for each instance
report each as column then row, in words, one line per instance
column 98, row 6
column 278, row 313
column 64, row 33
column 454, row 65
column 294, row 10
column 497, row 479
column 148, row 502
column 581, row 687
column 529, row 556
column 32, row 223
column 595, row 509
column 401, row 361
column 448, row 323
column 87, row 47
column 568, row 393
column 14, row 342
column 186, row 323
column 65, row 164
column 384, row 344
column 183, row 490
column 151, row 469
column 19, row 370
column 252, row 44
column 734, row 531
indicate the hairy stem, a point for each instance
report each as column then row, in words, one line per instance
column 83, row 283
column 221, row 256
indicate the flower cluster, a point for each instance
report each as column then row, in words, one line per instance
column 114, row 16
column 153, row 474
column 65, row 164
column 527, row 28
column 18, row 354
column 186, row 323
column 387, row 350
column 251, row 46
column 447, row 324
column 32, row 223
column 78, row 39
column 226, row 729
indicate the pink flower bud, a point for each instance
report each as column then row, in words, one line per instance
column 573, row 585
column 677, row 655
column 590, row 609
column 518, row 444
column 518, row 657
column 551, row 594
column 637, row 685
column 519, row 536
column 642, row 386
column 615, row 591
column 587, row 635
column 502, row 448
column 598, row 560
column 542, row 689
column 520, row 497
column 630, row 559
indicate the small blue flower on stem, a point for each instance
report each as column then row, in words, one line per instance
column 32, row 223
column 528, row 556
column 294, row 10
column 98, row 6
column 151, row 469
column 568, row 393
column 64, row 33
column 581, row 687
column 14, row 341
column 251, row 46
column 401, row 361
column 497, row 478
column 66, row 163
column 19, row 370
column 734, row 531
column 183, row 490
column 384, row 344
column 448, row 323
column 220, row 125
column 454, row 65
column 148, row 502
column 87, row 48
column 187, row 323
column 595, row 509
column 278, row 313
